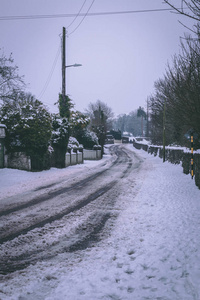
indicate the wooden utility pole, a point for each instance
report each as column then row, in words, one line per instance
column 147, row 117
column 192, row 155
column 63, row 64
column 164, row 137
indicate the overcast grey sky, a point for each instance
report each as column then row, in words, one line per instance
column 122, row 55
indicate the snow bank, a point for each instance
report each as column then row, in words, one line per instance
column 14, row 181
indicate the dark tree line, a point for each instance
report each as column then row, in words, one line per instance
column 176, row 99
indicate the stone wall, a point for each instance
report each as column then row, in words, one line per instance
column 92, row 154
column 74, row 157
column 18, row 160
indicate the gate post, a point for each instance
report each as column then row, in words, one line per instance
column 2, row 137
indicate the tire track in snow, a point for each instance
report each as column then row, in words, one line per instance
column 6, row 235
column 83, row 241
column 60, row 191
column 21, row 261
column 69, row 210
column 51, row 194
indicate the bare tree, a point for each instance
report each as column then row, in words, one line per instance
column 100, row 119
column 10, row 81
column 189, row 9
column 179, row 91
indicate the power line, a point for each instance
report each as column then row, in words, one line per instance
column 82, row 19
column 57, row 55
column 77, row 14
column 50, row 74
column 31, row 17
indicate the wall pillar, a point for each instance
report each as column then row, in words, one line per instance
column 2, row 144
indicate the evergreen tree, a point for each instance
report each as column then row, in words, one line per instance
column 79, row 123
column 61, row 131
column 28, row 127
column 141, row 113
column 59, row 139
column 65, row 105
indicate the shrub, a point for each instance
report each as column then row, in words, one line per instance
column 87, row 138
column 28, row 126
column 59, row 140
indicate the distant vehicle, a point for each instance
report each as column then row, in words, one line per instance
column 109, row 139
column 125, row 139
column 116, row 134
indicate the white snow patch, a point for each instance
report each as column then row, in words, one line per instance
column 14, row 181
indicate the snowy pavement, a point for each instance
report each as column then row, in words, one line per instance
column 152, row 252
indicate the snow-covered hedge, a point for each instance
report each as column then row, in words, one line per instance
column 73, row 143
column 59, row 140
column 87, row 138
column 28, row 129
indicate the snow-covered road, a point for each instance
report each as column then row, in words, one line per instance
column 30, row 222
column 150, row 250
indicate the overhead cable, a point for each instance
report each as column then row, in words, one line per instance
column 82, row 19
column 50, row 74
column 30, row 17
column 78, row 14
